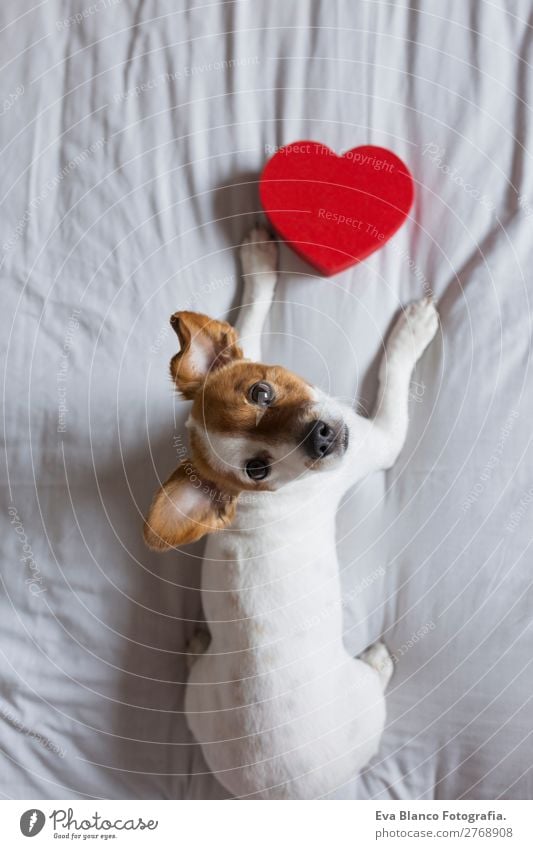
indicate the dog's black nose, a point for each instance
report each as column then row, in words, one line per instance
column 319, row 440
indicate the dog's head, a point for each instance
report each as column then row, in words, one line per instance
column 252, row 427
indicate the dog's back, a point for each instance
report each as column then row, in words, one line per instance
column 279, row 707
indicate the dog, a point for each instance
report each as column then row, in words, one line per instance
column 279, row 707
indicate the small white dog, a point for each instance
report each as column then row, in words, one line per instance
column 277, row 704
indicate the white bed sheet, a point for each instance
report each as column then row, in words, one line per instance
column 132, row 138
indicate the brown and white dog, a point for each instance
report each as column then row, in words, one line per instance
column 277, row 704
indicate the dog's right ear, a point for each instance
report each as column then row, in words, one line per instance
column 186, row 508
column 206, row 344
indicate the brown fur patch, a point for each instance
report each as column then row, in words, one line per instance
column 186, row 508
column 223, row 405
column 206, row 345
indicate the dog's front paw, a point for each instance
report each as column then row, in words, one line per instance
column 259, row 252
column 415, row 328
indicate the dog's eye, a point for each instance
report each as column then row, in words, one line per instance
column 257, row 469
column 261, row 394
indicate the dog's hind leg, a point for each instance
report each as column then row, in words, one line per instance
column 377, row 656
column 259, row 258
column 197, row 645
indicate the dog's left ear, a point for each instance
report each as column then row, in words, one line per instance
column 186, row 508
column 206, row 344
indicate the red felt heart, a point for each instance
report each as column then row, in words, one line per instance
column 335, row 210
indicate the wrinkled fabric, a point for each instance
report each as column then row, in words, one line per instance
column 132, row 137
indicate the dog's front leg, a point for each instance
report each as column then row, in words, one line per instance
column 410, row 336
column 259, row 258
